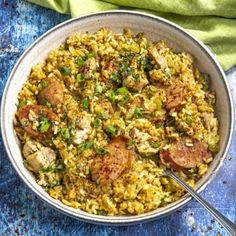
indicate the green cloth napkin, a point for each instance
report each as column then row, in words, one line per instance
column 212, row 21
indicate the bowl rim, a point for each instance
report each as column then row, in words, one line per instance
column 118, row 220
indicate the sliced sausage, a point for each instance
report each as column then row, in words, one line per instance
column 112, row 165
column 179, row 156
column 39, row 112
column 52, row 93
column 174, row 95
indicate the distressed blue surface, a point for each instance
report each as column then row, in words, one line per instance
column 23, row 213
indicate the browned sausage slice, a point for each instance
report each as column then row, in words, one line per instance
column 52, row 93
column 112, row 165
column 174, row 95
column 179, row 156
column 39, row 112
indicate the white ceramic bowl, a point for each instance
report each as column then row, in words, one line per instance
column 155, row 28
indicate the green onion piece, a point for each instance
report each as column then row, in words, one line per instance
column 44, row 125
column 130, row 142
column 189, row 120
column 168, row 72
column 80, row 61
column 213, row 148
column 159, row 125
column 115, row 77
column 79, row 78
column 111, row 130
column 85, row 103
column 86, row 145
column 138, row 113
column 155, row 144
column 44, row 83
column 48, row 104
column 21, row 104
column 90, row 55
column 96, row 123
column 65, row 70
column 122, row 91
column 65, row 133
column 111, row 95
column 101, row 151
column 98, row 89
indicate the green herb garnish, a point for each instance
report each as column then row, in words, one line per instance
column 44, row 83
column 65, row 70
column 111, row 95
column 96, row 123
column 155, row 144
column 138, row 113
column 65, row 133
column 79, row 78
column 188, row 120
column 86, row 145
column 98, row 89
column 122, row 91
column 101, row 151
column 111, row 130
column 85, row 103
column 80, row 61
column 168, row 72
column 44, row 125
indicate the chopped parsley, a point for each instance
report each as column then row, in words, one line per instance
column 65, row 133
column 155, row 144
column 44, row 83
column 44, row 125
column 111, row 130
column 111, row 95
column 80, row 61
column 85, row 103
column 96, row 123
column 168, row 72
column 98, row 89
column 79, row 78
column 65, row 70
column 101, row 151
column 86, row 145
column 138, row 113
column 122, row 91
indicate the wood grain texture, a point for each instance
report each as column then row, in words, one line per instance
column 23, row 213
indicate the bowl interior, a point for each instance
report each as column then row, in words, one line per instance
column 154, row 29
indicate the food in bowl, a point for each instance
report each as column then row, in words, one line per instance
column 103, row 116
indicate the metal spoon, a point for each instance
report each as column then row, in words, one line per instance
column 225, row 222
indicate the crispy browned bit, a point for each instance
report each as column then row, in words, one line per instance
column 113, row 164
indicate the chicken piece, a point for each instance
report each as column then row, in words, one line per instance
column 157, row 57
column 112, row 165
column 143, row 142
column 135, row 84
column 31, row 115
column 85, row 129
column 42, row 158
column 52, row 93
column 31, row 147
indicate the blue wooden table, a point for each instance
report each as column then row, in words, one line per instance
column 23, row 213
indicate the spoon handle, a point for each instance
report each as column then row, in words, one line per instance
column 225, row 222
